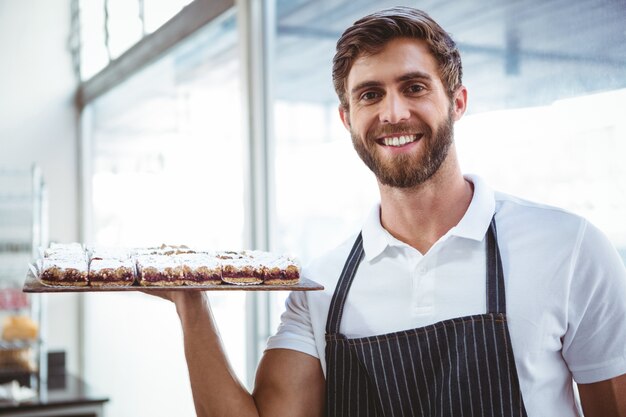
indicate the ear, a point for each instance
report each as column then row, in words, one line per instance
column 344, row 113
column 459, row 101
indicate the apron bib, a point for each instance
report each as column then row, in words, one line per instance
column 458, row 367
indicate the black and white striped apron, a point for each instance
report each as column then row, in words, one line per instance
column 457, row 367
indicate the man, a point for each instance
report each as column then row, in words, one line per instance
column 453, row 300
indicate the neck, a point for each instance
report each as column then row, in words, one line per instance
column 421, row 215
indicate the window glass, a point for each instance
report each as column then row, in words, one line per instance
column 93, row 53
column 167, row 163
column 546, row 92
column 568, row 154
column 109, row 28
column 124, row 25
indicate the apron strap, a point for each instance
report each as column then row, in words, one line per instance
column 343, row 286
column 496, row 299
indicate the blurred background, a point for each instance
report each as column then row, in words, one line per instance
column 214, row 123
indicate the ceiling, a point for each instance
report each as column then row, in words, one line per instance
column 515, row 53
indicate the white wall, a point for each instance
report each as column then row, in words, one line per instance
column 38, row 125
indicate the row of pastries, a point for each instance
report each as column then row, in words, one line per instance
column 71, row 264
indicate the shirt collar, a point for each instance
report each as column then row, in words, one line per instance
column 375, row 237
column 473, row 225
column 476, row 220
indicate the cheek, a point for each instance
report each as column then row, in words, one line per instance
column 362, row 121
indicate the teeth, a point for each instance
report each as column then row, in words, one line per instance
column 399, row 140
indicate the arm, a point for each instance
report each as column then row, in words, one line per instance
column 604, row 398
column 288, row 383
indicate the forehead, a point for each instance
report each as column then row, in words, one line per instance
column 399, row 56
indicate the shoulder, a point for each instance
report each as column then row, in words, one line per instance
column 547, row 232
column 512, row 207
column 520, row 217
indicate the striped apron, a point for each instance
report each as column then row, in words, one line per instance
column 457, row 367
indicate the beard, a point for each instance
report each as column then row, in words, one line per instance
column 404, row 170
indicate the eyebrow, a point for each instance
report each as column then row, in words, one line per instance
column 413, row 75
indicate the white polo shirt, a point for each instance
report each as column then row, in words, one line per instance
column 565, row 293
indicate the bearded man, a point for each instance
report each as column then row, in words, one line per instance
column 453, row 299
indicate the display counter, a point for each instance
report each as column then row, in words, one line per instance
column 68, row 396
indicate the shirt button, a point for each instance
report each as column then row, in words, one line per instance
column 421, row 270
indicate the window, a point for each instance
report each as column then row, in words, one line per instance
column 167, row 166
column 568, row 154
column 108, row 28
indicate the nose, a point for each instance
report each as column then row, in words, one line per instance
column 394, row 109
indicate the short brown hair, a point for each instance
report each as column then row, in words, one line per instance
column 371, row 33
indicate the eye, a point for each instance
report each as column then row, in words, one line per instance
column 415, row 88
column 369, row 96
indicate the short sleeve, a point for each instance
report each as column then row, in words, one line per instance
column 594, row 345
column 295, row 330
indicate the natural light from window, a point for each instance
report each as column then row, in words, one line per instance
column 168, row 166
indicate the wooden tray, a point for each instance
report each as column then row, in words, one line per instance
column 33, row 285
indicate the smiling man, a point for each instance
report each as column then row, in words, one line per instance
column 391, row 131
column 453, row 299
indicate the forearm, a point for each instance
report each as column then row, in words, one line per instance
column 605, row 398
column 215, row 387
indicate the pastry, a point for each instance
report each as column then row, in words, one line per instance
column 281, row 270
column 113, row 272
column 65, row 271
column 241, row 269
column 159, row 270
column 200, row 269
column 278, row 269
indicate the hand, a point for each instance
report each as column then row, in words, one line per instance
column 180, row 298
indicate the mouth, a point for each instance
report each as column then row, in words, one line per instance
column 398, row 141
